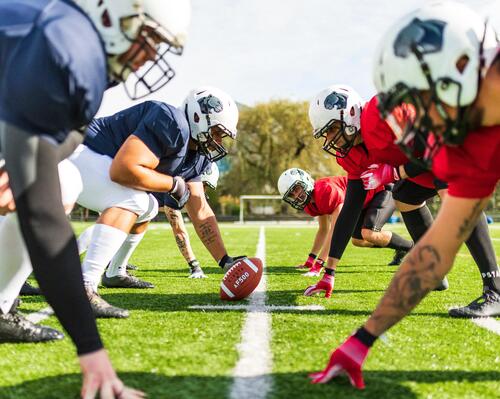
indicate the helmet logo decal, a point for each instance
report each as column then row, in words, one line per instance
column 335, row 100
column 426, row 36
column 210, row 104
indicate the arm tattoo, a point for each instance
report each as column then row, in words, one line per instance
column 470, row 221
column 410, row 285
column 206, row 233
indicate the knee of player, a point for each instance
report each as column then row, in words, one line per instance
column 147, row 207
column 369, row 235
column 357, row 242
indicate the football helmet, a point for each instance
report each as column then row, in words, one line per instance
column 131, row 29
column 212, row 115
column 296, row 187
column 211, row 176
column 337, row 108
column 436, row 55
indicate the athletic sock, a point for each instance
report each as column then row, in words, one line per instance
column 118, row 265
column 417, row 222
column 83, row 240
column 329, row 272
column 399, row 243
column 104, row 244
column 481, row 249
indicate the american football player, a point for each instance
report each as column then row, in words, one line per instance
column 443, row 59
column 54, row 70
column 324, row 198
column 149, row 148
column 369, row 144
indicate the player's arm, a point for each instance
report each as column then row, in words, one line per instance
column 319, row 239
column 133, row 166
column 346, row 221
column 180, row 232
column 204, row 221
column 428, row 262
column 327, row 238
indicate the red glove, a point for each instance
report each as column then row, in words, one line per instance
column 378, row 175
column 315, row 269
column 309, row 262
column 325, row 284
column 348, row 359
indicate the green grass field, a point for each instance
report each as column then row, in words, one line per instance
column 172, row 351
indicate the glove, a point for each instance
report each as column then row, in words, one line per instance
column 227, row 261
column 195, row 270
column 180, row 192
column 315, row 269
column 378, row 175
column 348, row 359
column 325, row 284
column 308, row 263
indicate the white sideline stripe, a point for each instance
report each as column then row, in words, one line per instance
column 269, row 308
column 252, row 374
column 488, row 323
column 43, row 314
column 226, row 290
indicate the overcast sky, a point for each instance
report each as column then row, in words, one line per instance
column 257, row 50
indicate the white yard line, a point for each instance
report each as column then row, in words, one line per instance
column 268, row 308
column 488, row 323
column 252, row 374
column 41, row 315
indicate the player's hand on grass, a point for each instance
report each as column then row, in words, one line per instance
column 100, row 379
column 347, row 359
column 7, row 204
column 324, row 285
column 308, row 263
column 315, row 269
column 378, row 175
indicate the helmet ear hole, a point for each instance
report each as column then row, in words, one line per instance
column 196, row 117
column 462, row 63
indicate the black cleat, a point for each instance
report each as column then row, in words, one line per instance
column 127, row 281
column 443, row 285
column 487, row 305
column 14, row 327
column 399, row 254
column 103, row 309
column 28, row 289
column 131, row 267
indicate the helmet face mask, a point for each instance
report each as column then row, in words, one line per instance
column 297, row 195
column 211, row 147
column 332, row 146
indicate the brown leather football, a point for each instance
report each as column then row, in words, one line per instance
column 241, row 279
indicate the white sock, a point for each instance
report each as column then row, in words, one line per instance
column 15, row 264
column 118, row 266
column 84, row 239
column 104, row 244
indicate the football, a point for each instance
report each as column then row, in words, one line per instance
column 241, row 279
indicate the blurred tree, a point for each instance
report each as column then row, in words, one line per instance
column 273, row 137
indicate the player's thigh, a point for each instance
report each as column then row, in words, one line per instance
column 409, row 195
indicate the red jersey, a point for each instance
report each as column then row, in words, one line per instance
column 472, row 169
column 379, row 140
column 329, row 193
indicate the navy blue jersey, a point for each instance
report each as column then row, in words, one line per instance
column 162, row 127
column 192, row 168
column 52, row 66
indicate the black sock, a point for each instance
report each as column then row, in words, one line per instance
column 417, row 222
column 481, row 249
column 365, row 337
column 399, row 243
column 331, row 272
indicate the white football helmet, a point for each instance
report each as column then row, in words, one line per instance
column 211, row 111
column 296, row 187
column 443, row 48
column 152, row 26
column 211, row 176
column 336, row 107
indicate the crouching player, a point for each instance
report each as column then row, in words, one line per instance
column 412, row 66
column 324, row 198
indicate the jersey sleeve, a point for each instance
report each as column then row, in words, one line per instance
column 161, row 133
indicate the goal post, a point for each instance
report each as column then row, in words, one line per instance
column 268, row 208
